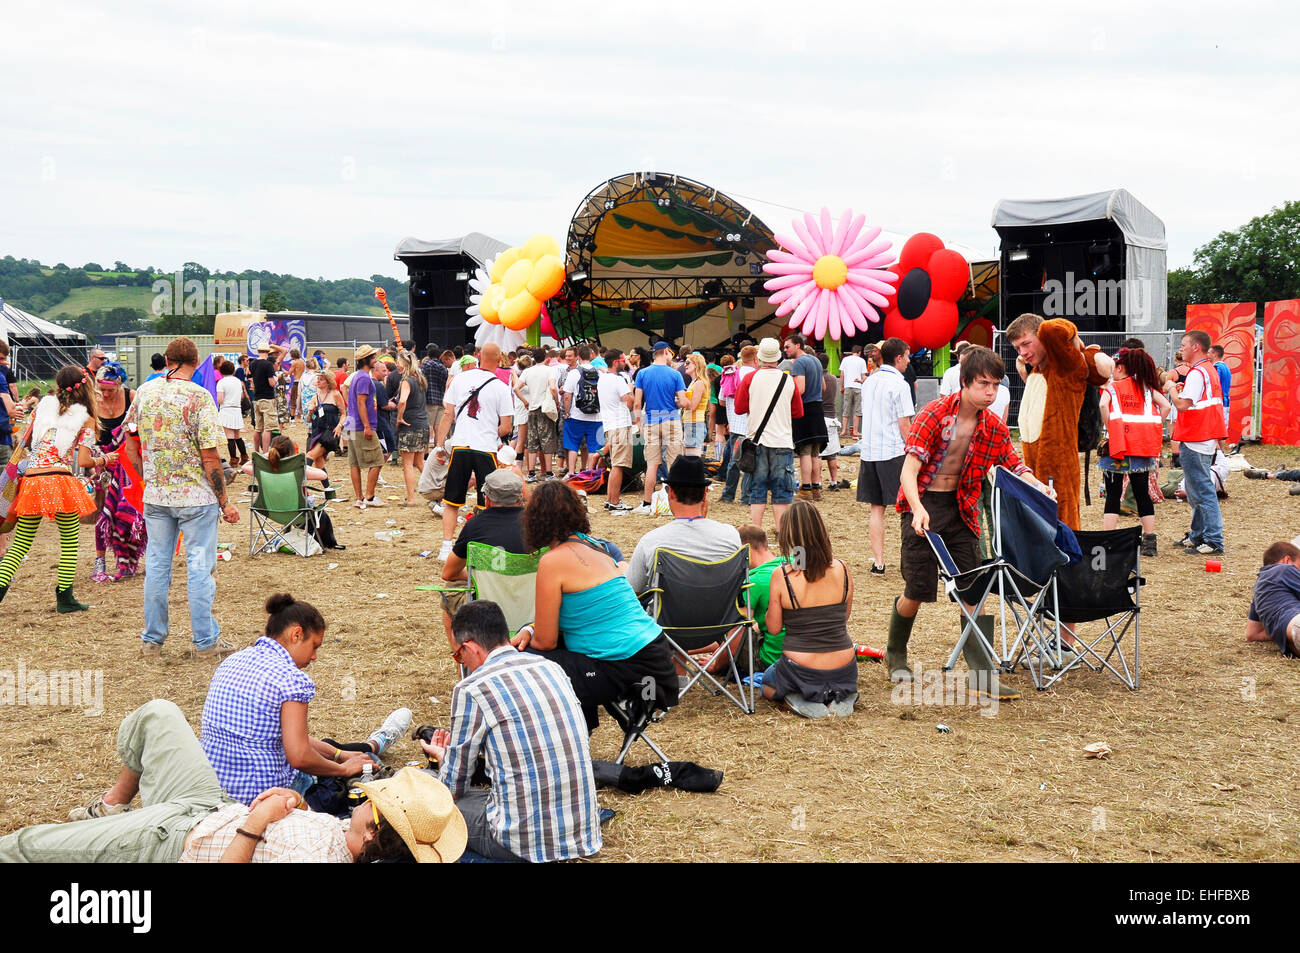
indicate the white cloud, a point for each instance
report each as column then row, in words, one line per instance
column 310, row 137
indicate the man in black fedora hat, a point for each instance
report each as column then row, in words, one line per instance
column 691, row 532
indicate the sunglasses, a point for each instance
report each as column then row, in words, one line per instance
column 456, row 653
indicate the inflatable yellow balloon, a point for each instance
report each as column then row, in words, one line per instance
column 490, row 306
column 547, row 277
column 519, row 311
column 516, row 277
column 539, row 245
column 503, row 263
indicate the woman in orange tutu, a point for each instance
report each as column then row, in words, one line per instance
column 62, row 431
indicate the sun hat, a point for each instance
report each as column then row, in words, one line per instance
column 264, row 347
column 769, row 351
column 363, row 352
column 420, row 808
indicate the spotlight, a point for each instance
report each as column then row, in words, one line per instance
column 756, row 288
column 755, row 268
column 741, row 259
column 712, row 288
column 747, row 301
column 609, row 204
column 589, row 244
column 578, row 276
column 663, row 201
column 462, row 276
column 1019, row 254
column 731, row 304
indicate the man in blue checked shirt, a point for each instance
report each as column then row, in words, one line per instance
column 519, row 712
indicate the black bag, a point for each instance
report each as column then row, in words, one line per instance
column 748, row 459
column 588, row 399
column 1090, row 433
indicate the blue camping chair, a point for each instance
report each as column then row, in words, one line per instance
column 1029, row 546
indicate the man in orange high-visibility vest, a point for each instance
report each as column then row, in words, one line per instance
column 1200, row 430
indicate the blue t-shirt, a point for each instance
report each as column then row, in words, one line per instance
column 6, row 425
column 810, row 369
column 1277, row 600
column 660, row 384
column 1225, row 379
column 362, row 385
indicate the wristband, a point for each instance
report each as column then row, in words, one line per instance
column 257, row 838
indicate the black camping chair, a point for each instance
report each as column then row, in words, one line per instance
column 699, row 603
column 1106, row 584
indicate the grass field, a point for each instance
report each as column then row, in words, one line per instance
column 1205, row 756
column 81, row 300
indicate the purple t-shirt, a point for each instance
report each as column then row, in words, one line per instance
column 362, row 385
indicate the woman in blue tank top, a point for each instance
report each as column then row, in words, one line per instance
column 587, row 617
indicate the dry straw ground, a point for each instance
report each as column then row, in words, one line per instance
column 1204, row 766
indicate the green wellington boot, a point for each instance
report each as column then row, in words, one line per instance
column 67, row 602
column 983, row 676
column 900, row 630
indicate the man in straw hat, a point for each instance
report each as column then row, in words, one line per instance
column 364, row 451
column 184, row 816
column 518, row 711
column 770, row 388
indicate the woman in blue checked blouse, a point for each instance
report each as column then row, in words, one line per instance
column 255, row 716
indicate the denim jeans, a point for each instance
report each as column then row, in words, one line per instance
column 734, row 473
column 1207, row 519
column 199, row 524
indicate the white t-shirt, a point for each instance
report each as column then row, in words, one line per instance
column 230, row 392
column 613, row 412
column 477, row 425
column 571, row 387
column 1001, row 402
column 854, row 369
column 536, row 382
column 951, row 382
column 738, row 423
column 1194, row 389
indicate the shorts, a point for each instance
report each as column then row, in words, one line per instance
column 663, row 439
column 452, row 601
column 463, row 464
column 265, row 417
column 917, row 562
column 810, row 430
column 774, row 473
column 824, row 686
column 543, row 433
column 576, row 431
column 620, row 446
column 435, row 417
column 852, row 403
column 880, row 480
column 413, row 440
column 362, row 453
column 693, row 434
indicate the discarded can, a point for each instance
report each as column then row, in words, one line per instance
column 1213, row 565
column 224, row 555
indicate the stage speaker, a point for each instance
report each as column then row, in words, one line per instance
column 673, row 326
column 1074, row 270
column 438, row 302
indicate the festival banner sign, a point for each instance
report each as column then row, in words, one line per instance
column 1280, row 400
column 1233, row 327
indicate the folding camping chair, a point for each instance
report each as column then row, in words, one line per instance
column 280, row 506
column 1026, row 555
column 698, row 603
column 1106, row 584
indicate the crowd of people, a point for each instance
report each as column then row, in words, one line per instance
column 509, row 427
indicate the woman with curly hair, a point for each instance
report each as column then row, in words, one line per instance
column 61, row 434
column 121, row 518
column 587, row 618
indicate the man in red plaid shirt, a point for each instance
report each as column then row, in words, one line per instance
column 953, row 443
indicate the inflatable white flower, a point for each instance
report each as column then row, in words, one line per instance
column 488, row 331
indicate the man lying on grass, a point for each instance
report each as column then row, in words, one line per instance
column 1275, row 608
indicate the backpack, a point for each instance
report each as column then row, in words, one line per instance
column 587, row 399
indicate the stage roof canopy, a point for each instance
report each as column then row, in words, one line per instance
column 481, row 248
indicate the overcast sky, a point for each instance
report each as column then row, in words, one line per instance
column 310, row 137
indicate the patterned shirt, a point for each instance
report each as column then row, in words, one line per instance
column 990, row 446
column 302, row 837
column 518, row 710
column 242, row 736
column 435, row 374
column 175, row 420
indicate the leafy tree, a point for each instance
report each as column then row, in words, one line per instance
column 274, row 301
column 1258, row 262
column 92, row 266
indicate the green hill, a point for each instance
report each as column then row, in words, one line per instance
column 96, row 298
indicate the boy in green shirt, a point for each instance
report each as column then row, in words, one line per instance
column 761, row 565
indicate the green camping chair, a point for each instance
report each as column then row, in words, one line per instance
column 280, row 505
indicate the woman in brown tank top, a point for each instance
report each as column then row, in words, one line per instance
column 817, row 672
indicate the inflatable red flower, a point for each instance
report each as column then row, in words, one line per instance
column 923, row 311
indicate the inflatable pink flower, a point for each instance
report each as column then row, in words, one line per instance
column 830, row 279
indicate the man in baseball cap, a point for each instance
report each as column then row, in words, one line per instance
column 499, row 525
